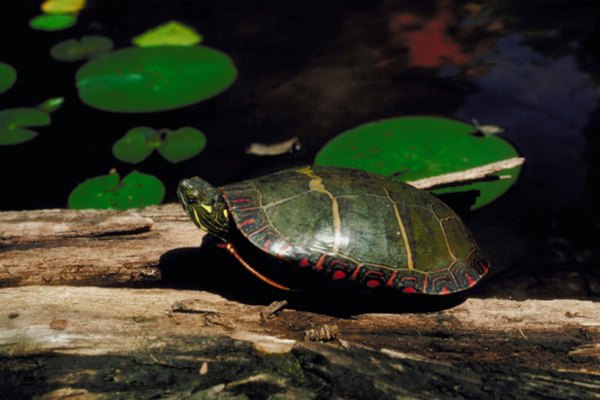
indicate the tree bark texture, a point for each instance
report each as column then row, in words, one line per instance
column 102, row 304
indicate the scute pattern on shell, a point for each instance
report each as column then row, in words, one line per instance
column 356, row 226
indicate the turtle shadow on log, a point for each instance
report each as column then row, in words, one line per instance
column 211, row 269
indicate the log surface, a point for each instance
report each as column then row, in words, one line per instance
column 90, row 247
column 99, row 304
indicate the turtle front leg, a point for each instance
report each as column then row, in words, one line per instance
column 229, row 247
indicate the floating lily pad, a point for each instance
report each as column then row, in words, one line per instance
column 138, row 143
column 107, row 191
column 51, row 105
column 172, row 33
column 154, row 78
column 52, row 22
column 412, row 148
column 182, row 144
column 15, row 121
column 87, row 47
column 62, row 6
column 8, row 77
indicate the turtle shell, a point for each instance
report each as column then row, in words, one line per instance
column 357, row 226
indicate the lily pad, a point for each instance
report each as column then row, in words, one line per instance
column 182, row 144
column 108, row 191
column 8, row 77
column 412, row 148
column 75, row 50
column 52, row 22
column 154, row 78
column 138, row 143
column 51, row 105
column 62, row 6
column 15, row 121
column 172, row 33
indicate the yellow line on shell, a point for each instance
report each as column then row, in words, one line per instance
column 441, row 221
column 316, row 184
column 409, row 255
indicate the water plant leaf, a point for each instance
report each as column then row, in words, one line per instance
column 51, row 105
column 137, row 144
column 52, row 22
column 154, row 78
column 8, row 77
column 107, row 191
column 62, row 6
column 172, row 33
column 15, row 121
column 182, row 144
column 175, row 146
column 75, row 50
column 411, row 148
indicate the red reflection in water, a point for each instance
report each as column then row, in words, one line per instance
column 429, row 42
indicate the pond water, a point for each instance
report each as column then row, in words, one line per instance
column 314, row 69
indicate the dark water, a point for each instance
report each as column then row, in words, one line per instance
column 314, row 69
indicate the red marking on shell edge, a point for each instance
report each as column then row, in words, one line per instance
column 337, row 275
column 267, row 244
column 259, row 230
column 244, row 200
column 444, row 291
column 484, row 267
column 390, row 281
column 248, row 222
column 355, row 273
column 319, row 265
column 304, row 262
column 372, row 283
column 409, row 290
column 470, row 279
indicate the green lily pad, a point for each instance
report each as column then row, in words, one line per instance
column 8, row 77
column 172, row 33
column 138, row 143
column 154, row 78
column 14, row 123
column 51, row 105
column 87, row 47
column 52, row 22
column 107, row 191
column 182, row 144
column 412, row 148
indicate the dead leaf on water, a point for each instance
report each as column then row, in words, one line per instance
column 275, row 149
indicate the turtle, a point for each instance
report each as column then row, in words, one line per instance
column 344, row 224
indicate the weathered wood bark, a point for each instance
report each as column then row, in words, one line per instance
column 90, row 247
column 210, row 341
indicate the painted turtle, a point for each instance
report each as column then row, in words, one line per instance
column 346, row 224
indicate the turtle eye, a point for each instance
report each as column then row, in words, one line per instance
column 191, row 200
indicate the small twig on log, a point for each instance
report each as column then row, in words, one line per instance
column 467, row 176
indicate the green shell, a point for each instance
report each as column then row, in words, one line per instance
column 357, row 226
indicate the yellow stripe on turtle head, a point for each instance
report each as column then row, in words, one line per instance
column 197, row 220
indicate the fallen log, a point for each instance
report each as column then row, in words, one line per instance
column 90, row 247
column 57, row 341
column 173, row 318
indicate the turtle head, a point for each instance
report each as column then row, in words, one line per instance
column 205, row 205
